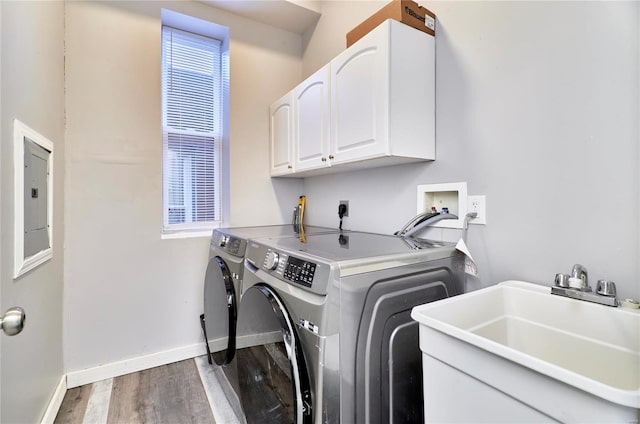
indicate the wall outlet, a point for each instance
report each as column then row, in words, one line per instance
column 346, row 204
column 478, row 204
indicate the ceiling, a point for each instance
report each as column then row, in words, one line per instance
column 291, row 15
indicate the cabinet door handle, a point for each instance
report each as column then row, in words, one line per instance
column 324, row 159
column 330, row 156
column 290, row 167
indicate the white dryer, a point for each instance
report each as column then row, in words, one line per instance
column 337, row 341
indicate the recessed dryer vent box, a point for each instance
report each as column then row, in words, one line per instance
column 449, row 195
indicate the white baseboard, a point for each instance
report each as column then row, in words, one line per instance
column 116, row 369
column 55, row 402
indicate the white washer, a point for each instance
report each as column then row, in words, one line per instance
column 338, row 343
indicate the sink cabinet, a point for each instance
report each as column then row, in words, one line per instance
column 516, row 353
column 372, row 105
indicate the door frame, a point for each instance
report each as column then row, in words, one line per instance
column 1, row 136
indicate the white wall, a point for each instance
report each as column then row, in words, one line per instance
column 127, row 292
column 33, row 92
column 328, row 37
column 537, row 107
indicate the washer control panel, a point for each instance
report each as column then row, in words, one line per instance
column 289, row 268
column 226, row 243
column 299, row 271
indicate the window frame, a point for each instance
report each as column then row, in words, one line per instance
column 204, row 30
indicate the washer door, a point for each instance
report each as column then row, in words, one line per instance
column 273, row 382
column 220, row 311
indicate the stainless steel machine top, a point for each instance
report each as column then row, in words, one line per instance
column 272, row 231
column 312, row 261
column 359, row 246
column 234, row 240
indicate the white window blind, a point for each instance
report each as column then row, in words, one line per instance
column 192, row 129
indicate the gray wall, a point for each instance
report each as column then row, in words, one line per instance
column 33, row 92
column 128, row 293
column 537, row 107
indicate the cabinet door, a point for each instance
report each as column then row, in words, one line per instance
column 311, row 121
column 281, row 113
column 359, row 99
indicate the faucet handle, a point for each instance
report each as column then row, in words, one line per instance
column 606, row 288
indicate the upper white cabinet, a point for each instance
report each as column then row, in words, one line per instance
column 383, row 97
column 281, row 118
column 373, row 105
column 311, row 114
column 360, row 94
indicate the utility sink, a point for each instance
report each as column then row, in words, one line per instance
column 515, row 353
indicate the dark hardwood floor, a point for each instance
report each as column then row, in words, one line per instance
column 190, row 391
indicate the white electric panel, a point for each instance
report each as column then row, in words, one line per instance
column 36, row 172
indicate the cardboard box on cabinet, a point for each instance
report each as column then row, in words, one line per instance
column 405, row 11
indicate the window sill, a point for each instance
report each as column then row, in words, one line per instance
column 185, row 234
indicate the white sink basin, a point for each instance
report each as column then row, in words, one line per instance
column 547, row 357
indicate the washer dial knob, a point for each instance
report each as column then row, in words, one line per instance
column 271, row 260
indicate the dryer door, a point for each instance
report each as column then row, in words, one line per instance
column 220, row 311
column 272, row 378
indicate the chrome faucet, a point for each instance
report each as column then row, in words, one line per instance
column 578, row 287
column 423, row 220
